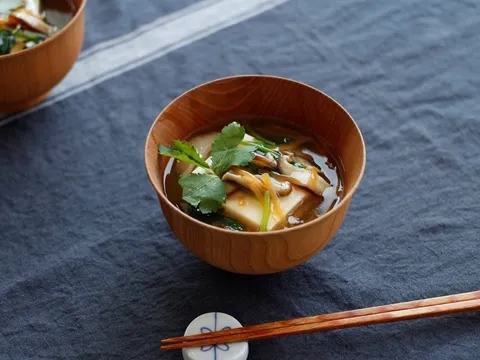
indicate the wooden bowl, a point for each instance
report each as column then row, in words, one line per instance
column 248, row 252
column 28, row 76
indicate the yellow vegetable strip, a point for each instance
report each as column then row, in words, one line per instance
column 253, row 184
column 277, row 207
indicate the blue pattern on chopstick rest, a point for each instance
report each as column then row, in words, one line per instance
column 222, row 347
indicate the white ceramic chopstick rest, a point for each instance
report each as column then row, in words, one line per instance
column 210, row 322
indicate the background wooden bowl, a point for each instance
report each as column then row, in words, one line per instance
column 268, row 252
column 27, row 77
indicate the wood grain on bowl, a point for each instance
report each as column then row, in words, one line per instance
column 263, row 96
column 28, row 76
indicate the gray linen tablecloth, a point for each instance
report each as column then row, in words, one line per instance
column 88, row 266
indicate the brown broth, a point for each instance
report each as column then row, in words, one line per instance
column 59, row 12
column 315, row 149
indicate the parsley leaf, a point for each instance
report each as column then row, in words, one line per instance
column 183, row 151
column 230, row 136
column 225, row 150
column 205, row 191
column 239, row 156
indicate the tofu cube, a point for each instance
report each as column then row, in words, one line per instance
column 244, row 207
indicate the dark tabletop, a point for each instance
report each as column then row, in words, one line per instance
column 88, row 266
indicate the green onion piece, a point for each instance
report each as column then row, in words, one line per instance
column 267, row 205
column 259, row 137
column 262, row 148
column 29, row 35
column 298, row 164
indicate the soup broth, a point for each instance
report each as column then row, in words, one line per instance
column 292, row 179
column 27, row 23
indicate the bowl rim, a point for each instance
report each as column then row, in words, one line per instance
column 78, row 13
column 330, row 213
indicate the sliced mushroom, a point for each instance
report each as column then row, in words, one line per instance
column 282, row 188
column 305, row 159
column 231, row 187
column 33, row 21
column 264, row 161
column 245, row 179
column 306, row 176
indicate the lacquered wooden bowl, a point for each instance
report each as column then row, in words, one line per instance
column 27, row 77
column 248, row 252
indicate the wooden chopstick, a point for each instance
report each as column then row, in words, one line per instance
column 334, row 316
column 417, row 313
column 375, row 315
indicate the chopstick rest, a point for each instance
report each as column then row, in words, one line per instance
column 210, row 322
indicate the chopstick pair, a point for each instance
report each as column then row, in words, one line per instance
column 444, row 305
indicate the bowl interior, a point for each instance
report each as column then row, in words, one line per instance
column 264, row 96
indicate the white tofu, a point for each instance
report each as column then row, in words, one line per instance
column 244, row 207
column 200, row 170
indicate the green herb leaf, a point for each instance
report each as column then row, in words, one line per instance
column 262, row 149
column 260, row 138
column 7, row 5
column 7, row 42
column 230, row 137
column 183, row 151
column 225, row 150
column 239, row 156
column 207, row 192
